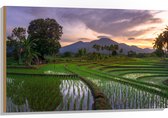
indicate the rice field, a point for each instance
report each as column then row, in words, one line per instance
column 134, row 71
column 32, row 93
column 120, row 94
column 48, row 68
column 76, row 96
column 158, row 80
column 137, row 75
column 134, row 84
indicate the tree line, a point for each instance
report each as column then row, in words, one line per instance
column 111, row 48
column 29, row 46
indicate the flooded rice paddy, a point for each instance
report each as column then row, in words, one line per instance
column 122, row 96
column 76, row 96
column 31, row 93
column 34, row 93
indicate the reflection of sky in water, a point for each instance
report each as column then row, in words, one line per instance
column 137, row 75
column 11, row 107
column 122, row 96
column 76, row 96
column 58, row 73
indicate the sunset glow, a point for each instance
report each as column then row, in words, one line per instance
column 141, row 26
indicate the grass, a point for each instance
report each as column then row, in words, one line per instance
column 132, row 71
column 113, row 92
column 125, row 82
column 118, row 77
column 42, row 94
column 46, row 93
column 159, row 80
column 59, row 68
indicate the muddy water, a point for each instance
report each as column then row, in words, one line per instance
column 122, row 96
column 40, row 95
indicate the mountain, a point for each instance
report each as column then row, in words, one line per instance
column 102, row 41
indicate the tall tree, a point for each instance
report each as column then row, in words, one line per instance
column 96, row 47
column 82, row 52
column 131, row 53
column 46, row 33
column 116, row 48
column 107, row 48
column 161, row 42
column 121, row 50
column 113, row 49
column 15, row 41
column 102, row 48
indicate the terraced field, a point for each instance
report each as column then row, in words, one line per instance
column 43, row 69
column 129, row 86
column 46, row 93
column 134, row 71
column 132, row 85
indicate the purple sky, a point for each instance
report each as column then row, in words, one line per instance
column 134, row 27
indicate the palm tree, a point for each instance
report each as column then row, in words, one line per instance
column 102, row 48
column 29, row 53
column 114, row 49
column 107, row 48
column 97, row 47
column 161, row 42
column 121, row 50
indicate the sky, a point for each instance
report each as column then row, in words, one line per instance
column 132, row 27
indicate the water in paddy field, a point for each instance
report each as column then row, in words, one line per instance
column 122, row 96
column 76, row 96
column 12, row 107
column 69, row 94
column 32, row 93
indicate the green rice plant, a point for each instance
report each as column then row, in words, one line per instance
column 45, row 94
column 47, row 69
column 127, row 83
column 154, row 79
column 134, row 94
column 72, row 99
column 42, row 93
column 121, row 79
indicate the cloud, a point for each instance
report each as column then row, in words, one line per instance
column 154, row 20
column 141, row 42
column 113, row 22
column 86, row 24
column 131, row 38
column 109, row 21
column 67, row 40
column 135, row 33
column 84, row 39
column 99, row 37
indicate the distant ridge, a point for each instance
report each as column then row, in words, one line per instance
column 102, row 41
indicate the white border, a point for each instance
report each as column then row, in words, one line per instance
column 117, row 4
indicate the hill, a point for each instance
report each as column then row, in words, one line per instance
column 102, row 41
